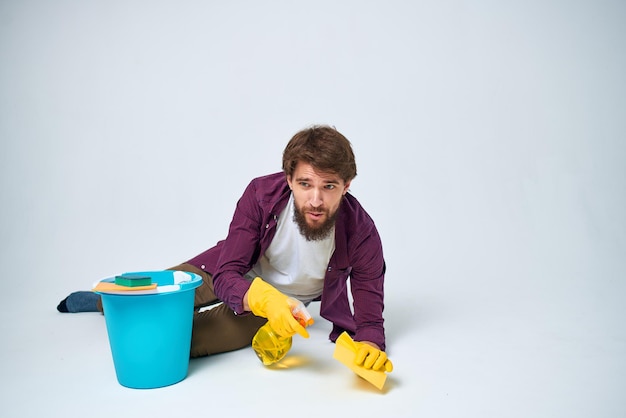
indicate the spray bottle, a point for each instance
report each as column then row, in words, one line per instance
column 269, row 346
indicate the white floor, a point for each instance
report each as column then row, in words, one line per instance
column 490, row 144
column 457, row 352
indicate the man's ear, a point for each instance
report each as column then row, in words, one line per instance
column 346, row 187
column 289, row 181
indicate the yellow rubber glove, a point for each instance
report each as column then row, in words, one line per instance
column 370, row 357
column 264, row 300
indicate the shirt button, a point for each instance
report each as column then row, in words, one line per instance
column 267, row 226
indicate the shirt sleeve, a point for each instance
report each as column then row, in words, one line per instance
column 367, row 286
column 239, row 251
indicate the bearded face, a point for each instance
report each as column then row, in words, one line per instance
column 317, row 197
column 314, row 230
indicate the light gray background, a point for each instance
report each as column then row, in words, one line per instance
column 490, row 142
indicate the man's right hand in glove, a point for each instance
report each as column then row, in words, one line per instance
column 264, row 300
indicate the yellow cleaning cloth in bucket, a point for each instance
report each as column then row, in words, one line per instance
column 345, row 352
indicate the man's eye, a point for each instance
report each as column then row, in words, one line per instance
column 303, row 184
column 330, row 186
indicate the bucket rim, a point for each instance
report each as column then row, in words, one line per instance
column 168, row 281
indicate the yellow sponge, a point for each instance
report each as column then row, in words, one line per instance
column 108, row 287
column 345, row 351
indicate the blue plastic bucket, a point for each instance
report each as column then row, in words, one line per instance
column 150, row 334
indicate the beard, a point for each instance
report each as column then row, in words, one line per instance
column 314, row 233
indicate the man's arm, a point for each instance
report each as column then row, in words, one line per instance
column 367, row 285
column 238, row 252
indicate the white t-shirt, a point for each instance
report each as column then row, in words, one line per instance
column 291, row 264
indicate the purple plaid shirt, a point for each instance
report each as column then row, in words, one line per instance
column 358, row 255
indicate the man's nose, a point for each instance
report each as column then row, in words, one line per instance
column 316, row 198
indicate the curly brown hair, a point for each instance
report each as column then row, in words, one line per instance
column 324, row 148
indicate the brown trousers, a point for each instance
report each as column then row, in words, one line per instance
column 218, row 329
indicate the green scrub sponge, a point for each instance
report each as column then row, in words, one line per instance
column 131, row 280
